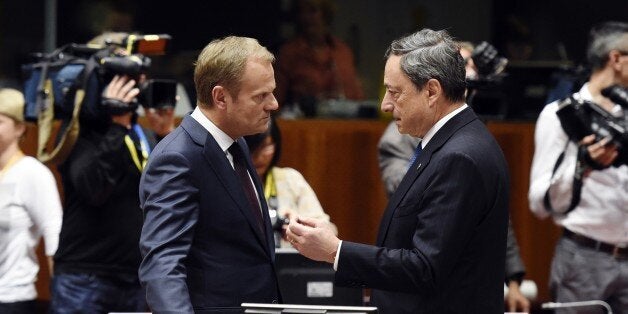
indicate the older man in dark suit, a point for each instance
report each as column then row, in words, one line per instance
column 207, row 242
column 441, row 243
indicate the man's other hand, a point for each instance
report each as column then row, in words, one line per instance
column 313, row 238
column 161, row 120
column 515, row 299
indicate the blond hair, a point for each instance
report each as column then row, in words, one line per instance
column 12, row 104
column 222, row 62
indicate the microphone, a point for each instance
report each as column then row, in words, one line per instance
column 557, row 305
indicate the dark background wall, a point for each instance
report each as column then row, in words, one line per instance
column 551, row 30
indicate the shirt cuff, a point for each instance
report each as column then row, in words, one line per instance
column 337, row 256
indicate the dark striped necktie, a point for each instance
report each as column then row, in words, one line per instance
column 417, row 153
column 239, row 164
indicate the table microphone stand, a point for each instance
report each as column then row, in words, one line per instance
column 557, row 305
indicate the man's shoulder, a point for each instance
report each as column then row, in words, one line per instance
column 177, row 140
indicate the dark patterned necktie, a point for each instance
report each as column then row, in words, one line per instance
column 417, row 153
column 239, row 164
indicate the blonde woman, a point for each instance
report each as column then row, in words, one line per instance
column 30, row 208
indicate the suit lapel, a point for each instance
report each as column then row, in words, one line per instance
column 218, row 161
column 440, row 138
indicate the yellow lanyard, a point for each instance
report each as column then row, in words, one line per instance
column 17, row 156
column 270, row 189
column 133, row 151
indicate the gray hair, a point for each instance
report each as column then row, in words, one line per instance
column 429, row 54
column 603, row 38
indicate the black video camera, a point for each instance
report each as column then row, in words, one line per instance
column 55, row 78
column 490, row 66
column 580, row 118
column 486, row 90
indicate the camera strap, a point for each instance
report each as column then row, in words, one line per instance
column 46, row 118
column 576, row 190
column 270, row 187
column 144, row 147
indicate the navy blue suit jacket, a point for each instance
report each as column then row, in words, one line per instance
column 441, row 243
column 202, row 248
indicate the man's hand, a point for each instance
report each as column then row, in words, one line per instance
column 161, row 120
column 515, row 299
column 289, row 215
column 313, row 238
column 600, row 152
column 122, row 88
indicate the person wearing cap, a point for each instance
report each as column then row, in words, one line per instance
column 30, row 208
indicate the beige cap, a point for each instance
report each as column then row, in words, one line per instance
column 12, row 103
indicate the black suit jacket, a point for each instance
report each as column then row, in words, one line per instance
column 202, row 248
column 441, row 243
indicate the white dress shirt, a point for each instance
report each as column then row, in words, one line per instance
column 223, row 140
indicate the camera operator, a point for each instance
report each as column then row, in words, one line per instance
column 591, row 258
column 98, row 257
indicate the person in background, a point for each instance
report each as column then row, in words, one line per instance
column 207, row 243
column 591, row 258
column 98, row 257
column 30, row 208
column 315, row 65
column 285, row 189
column 395, row 151
column 441, row 244
column 466, row 50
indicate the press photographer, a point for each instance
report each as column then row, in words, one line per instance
column 98, row 256
column 580, row 178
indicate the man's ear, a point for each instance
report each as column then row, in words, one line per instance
column 434, row 90
column 614, row 58
column 220, row 97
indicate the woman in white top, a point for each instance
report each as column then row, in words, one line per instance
column 29, row 209
column 285, row 189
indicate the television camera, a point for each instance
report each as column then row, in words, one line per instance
column 53, row 79
column 488, row 62
column 580, row 118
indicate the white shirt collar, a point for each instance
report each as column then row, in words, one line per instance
column 428, row 136
column 585, row 93
column 223, row 140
